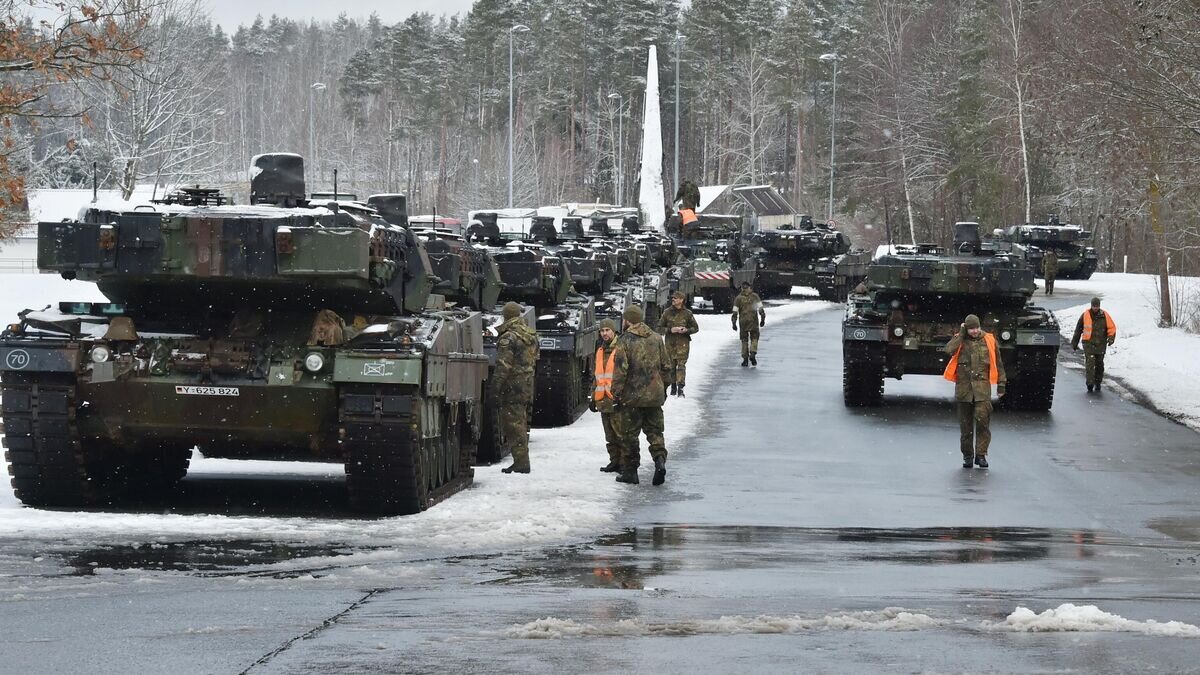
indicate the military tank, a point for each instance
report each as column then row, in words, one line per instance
column 713, row 245
column 1076, row 260
column 809, row 254
column 915, row 302
column 565, row 321
column 273, row 331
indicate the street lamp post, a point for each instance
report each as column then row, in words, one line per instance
column 312, row 139
column 620, row 149
column 519, row 28
column 832, row 129
column 475, row 202
column 678, row 44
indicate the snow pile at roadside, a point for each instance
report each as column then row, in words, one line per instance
column 1088, row 619
column 565, row 498
column 888, row 619
column 1160, row 363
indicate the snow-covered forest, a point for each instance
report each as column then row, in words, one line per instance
column 1000, row 110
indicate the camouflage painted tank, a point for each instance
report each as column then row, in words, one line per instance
column 806, row 254
column 1076, row 260
column 719, row 262
column 915, row 301
column 273, row 330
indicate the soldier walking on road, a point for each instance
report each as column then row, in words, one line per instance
column 1097, row 330
column 975, row 365
column 640, row 368
column 1050, row 270
column 602, row 400
column 677, row 326
column 516, row 357
column 748, row 307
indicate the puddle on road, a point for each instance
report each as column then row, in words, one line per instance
column 627, row 559
column 216, row 558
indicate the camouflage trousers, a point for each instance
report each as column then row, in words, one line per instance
column 629, row 423
column 749, row 335
column 1050, row 285
column 514, row 427
column 678, row 353
column 612, row 439
column 975, row 428
column 1093, row 363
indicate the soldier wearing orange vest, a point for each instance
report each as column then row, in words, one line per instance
column 602, row 399
column 1097, row 330
column 975, row 365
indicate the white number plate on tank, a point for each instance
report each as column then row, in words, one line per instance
column 206, row 391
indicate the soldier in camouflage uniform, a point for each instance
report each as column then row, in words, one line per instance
column 975, row 365
column 602, row 400
column 1097, row 330
column 640, row 369
column 1050, row 270
column 748, row 307
column 677, row 325
column 516, row 357
column 688, row 195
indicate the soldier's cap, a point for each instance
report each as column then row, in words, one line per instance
column 971, row 321
column 745, row 284
column 634, row 314
column 511, row 310
column 679, row 294
column 609, row 324
column 1095, row 302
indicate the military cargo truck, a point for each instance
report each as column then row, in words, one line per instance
column 915, row 303
column 272, row 330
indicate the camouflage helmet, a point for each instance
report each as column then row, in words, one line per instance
column 634, row 314
column 511, row 311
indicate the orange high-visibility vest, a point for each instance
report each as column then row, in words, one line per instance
column 1087, row 325
column 687, row 216
column 993, row 372
column 604, row 375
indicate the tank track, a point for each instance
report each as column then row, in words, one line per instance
column 564, row 384
column 390, row 468
column 862, row 376
column 45, row 458
column 1034, row 389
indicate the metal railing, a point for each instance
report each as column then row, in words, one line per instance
column 18, row 266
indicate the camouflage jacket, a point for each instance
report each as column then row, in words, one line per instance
column 516, row 358
column 681, row 318
column 640, row 368
column 688, row 195
column 748, row 308
column 974, row 364
column 1049, row 264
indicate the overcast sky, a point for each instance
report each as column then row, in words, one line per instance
column 231, row 13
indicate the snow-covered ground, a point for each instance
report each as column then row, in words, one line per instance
column 1163, row 364
column 566, row 498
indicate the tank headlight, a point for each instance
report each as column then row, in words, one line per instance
column 314, row 362
column 100, row 354
column 898, row 331
column 1006, row 335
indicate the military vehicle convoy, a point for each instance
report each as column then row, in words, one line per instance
column 806, row 254
column 1076, row 260
column 915, row 303
column 274, row 330
column 713, row 244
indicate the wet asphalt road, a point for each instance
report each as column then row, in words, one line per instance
column 786, row 506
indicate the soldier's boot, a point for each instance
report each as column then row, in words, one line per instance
column 745, row 361
column 611, row 467
column 981, row 461
column 754, row 358
column 674, row 389
column 680, row 393
column 515, row 468
column 968, row 461
column 1090, row 388
column 628, row 476
column 660, row 471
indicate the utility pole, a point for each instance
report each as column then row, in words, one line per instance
column 620, row 147
column 678, row 51
column 832, row 131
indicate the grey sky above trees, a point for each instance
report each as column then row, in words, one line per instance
column 230, row 13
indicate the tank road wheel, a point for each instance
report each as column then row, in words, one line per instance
column 862, row 376
column 45, row 457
